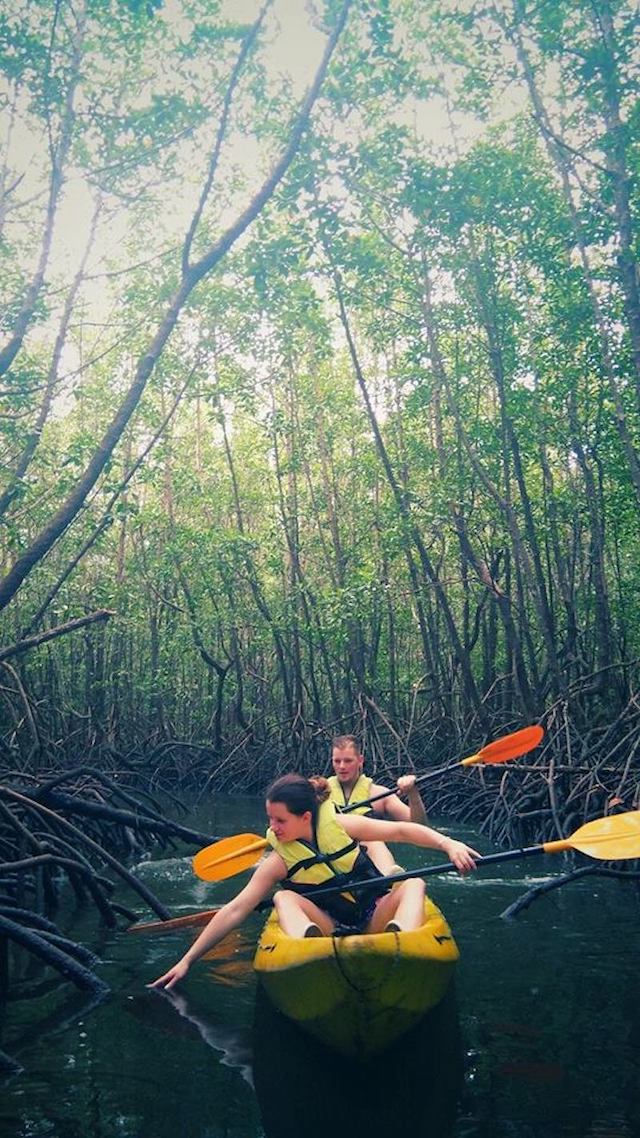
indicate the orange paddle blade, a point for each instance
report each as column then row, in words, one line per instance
column 188, row 921
column 610, row 839
column 231, row 855
column 508, row 748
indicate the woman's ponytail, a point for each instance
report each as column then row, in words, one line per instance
column 321, row 787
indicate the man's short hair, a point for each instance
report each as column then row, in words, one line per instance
column 340, row 741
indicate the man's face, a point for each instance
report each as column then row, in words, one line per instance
column 347, row 763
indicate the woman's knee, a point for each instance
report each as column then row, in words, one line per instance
column 413, row 889
column 415, row 885
column 284, row 902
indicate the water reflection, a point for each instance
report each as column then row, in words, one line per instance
column 305, row 1089
column 233, row 1042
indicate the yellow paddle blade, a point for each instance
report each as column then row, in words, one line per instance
column 229, row 856
column 610, row 839
column 508, row 748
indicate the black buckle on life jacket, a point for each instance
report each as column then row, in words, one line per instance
column 321, row 859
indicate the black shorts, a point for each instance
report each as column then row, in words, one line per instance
column 350, row 916
column 358, row 920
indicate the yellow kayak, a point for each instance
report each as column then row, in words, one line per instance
column 358, row 994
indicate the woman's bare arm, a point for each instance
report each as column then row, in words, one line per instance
column 368, row 829
column 265, row 877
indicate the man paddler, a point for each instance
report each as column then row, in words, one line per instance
column 348, row 784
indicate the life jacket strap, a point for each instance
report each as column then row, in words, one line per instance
column 318, row 858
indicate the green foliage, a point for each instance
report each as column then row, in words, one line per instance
column 262, row 526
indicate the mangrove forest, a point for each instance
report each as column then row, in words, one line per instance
column 319, row 415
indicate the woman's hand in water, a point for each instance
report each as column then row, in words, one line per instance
column 460, row 854
column 178, row 972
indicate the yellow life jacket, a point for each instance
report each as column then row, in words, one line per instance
column 332, row 854
column 360, row 791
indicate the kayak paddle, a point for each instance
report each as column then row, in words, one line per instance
column 498, row 752
column 231, row 855
column 615, row 838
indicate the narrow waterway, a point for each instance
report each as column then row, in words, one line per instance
column 539, row 1037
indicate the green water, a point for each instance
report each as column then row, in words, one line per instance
column 539, row 1038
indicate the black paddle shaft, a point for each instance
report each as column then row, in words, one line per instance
column 387, row 793
column 424, row 871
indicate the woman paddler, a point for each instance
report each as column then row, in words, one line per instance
column 311, row 846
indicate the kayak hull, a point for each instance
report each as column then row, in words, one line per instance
column 358, row 994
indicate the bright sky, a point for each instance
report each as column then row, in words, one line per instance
column 293, row 46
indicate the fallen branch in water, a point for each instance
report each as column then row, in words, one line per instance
column 41, row 849
column 139, row 886
column 55, row 956
column 536, row 891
